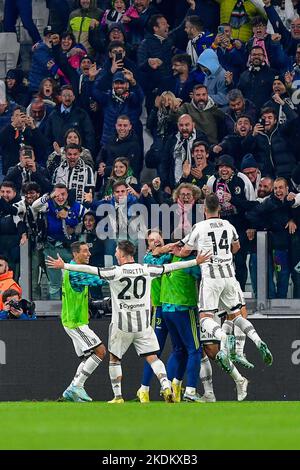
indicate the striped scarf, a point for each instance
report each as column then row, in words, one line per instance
column 238, row 16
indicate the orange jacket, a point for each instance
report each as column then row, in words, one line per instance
column 7, row 282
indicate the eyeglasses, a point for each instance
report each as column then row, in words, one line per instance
column 187, row 195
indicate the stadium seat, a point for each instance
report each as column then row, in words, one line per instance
column 9, row 52
column 40, row 16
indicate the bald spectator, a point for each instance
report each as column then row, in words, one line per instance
column 205, row 114
column 177, row 151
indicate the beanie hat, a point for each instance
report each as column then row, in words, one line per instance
column 248, row 162
column 226, row 160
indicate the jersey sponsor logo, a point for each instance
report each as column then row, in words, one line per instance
column 131, row 307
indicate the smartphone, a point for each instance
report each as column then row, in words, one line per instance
column 262, row 121
column 28, row 153
column 118, row 56
column 221, row 29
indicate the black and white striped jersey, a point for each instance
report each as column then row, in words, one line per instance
column 214, row 236
column 130, row 286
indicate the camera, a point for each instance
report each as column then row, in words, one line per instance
column 100, row 308
column 26, row 306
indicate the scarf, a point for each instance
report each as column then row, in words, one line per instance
column 239, row 16
column 163, row 117
column 119, row 99
column 191, row 49
column 127, row 178
column 261, row 43
column 281, row 114
column 182, row 152
column 72, row 178
column 185, row 223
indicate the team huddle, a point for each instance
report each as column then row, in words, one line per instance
column 161, row 297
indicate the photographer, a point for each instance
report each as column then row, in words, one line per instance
column 15, row 308
column 21, row 131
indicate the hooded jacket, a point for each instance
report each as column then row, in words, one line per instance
column 215, row 78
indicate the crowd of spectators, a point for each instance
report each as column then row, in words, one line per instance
column 215, row 83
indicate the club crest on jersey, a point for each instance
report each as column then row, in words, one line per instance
column 237, row 190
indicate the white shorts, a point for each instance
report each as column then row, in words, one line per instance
column 145, row 342
column 240, row 294
column 212, row 291
column 84, row 339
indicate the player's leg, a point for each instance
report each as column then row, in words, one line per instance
column 161, row 332
column 206, row 378
column 83, row 338
column 118, row 343
column 186, row 329
column 146, row 344
column 240, row 381
column 230, row 299
column 115, row 375
column 209, row 295
column 159, row 370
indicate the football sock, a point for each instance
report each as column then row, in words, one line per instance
column 247, row 328
column 240, row 339
column 227, row 327
column 190, row 390
column 159, row 370
column 89, row 366
column 115, row 374
column 206, row 375
column 144, row 388
column 237, row 377
column 79, row 369
column 212, row 327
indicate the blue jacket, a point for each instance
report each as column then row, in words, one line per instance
column 288, row 42
column 38, row 71
column 4, row 316
column 113, row 108
column 215, row 80
column 55, row 226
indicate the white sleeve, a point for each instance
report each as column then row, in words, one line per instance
column 156, row 271
column 192, row 238
column 179, row 265
column 297, row 201
column 105, row 273
column 249, row 190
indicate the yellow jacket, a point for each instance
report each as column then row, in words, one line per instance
column 226, row 7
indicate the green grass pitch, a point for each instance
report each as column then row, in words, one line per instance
column 157, row 425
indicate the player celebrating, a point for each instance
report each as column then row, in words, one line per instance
column 74, row 317
column 218, row 279
column 130, row 284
